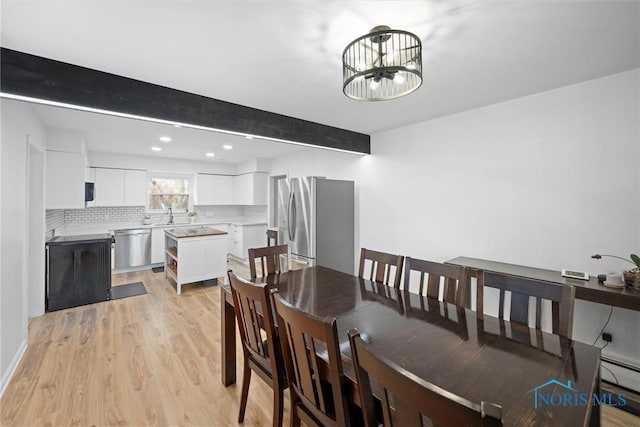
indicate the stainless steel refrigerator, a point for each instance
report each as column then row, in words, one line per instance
column 316, row 217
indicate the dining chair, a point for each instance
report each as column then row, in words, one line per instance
column 314, row 366
column 561, row 296
column 252, row 305
column 270, row 260
column 381, row 264
column 454, row 279
column 406, row 399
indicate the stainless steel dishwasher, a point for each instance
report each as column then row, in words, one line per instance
column 133, row 248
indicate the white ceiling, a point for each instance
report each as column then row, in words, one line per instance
column 111, row 134
column 284, row 56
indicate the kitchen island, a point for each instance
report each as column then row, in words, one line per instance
column 195, row 254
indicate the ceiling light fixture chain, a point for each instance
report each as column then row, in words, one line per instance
column 381, row 65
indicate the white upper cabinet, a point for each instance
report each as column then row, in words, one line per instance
column 222, row 190
column 120, row 187
column 214, row 190
column 66, row 158
column 65, row 180
column 135, row 187
column 250, row 188
column 109, row 187
column 204, row 190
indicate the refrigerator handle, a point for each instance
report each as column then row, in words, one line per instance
column 292, row 216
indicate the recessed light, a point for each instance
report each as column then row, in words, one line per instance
column 156, row 148
column 165, row 138
column 177, row 126
column 248, row 136
column 209, row 154
column 227, row 146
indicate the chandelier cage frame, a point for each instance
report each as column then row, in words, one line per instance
column 383, row 64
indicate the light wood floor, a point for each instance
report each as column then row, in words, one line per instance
column 146, row 360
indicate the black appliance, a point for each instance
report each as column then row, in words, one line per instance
column 89, row 190
column 78, row 270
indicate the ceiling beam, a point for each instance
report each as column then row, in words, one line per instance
column 31, row 76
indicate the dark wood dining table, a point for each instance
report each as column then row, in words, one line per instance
column 480, row 358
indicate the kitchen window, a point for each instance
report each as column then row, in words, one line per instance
column 168, row 191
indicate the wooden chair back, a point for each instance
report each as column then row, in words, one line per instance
column 269, row 258
column 255, row 317
column 407, row 399
column 562, row 299
column 382, row 265
column 455, row 280
column 313, row 365
column 254, row 314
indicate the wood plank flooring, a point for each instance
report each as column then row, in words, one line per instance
column 141, row 361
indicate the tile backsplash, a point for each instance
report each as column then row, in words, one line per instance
column 104, row 214
column 56, row 218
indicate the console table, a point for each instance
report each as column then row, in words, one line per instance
column 585, row 290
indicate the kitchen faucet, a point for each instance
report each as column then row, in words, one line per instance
column 170, row 216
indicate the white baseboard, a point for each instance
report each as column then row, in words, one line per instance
column 11, row 369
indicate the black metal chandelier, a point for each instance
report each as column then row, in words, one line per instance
column 381, row 65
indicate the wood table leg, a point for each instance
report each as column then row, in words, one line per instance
column 228, row 347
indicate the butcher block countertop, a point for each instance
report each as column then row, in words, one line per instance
column 194, row 232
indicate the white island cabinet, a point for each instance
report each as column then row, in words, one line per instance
column 195, row 254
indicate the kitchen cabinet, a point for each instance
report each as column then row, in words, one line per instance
column 109, row 187
column 65, row 173
column 244, row 237
column 78, row 270
column 90, row 176
column 223, row 190
column 120, row 187
column 135, row 187
column 157, row 245
column 204, row 190
column 250, row 188
column 195, row 255
column 214, row 190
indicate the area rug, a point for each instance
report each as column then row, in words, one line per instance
column 128, row 290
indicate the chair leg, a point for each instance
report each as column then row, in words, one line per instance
column 295, row 419
column 278, row 405
column 246, row 379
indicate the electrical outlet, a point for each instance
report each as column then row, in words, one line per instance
column 607, row 337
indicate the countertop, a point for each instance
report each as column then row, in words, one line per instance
column 108, row 227
column 82, row 238
column 194, row 232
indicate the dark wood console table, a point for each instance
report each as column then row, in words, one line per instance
column 585, row 290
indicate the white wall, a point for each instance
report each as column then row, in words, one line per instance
column 18, row 125
column 545, row 180
column 159, row 164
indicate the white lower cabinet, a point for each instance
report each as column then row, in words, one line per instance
column 193, row 259
column 244, row 237
column 157, row 245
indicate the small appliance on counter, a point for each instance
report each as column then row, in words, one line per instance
column 78, row 270
column 146, row 220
